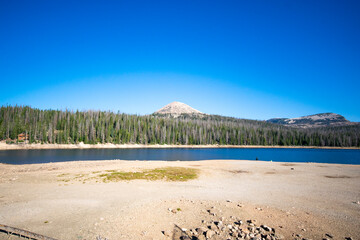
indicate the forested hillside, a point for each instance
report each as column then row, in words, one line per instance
column 54, row 126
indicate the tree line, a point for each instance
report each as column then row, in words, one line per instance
column 92, row 127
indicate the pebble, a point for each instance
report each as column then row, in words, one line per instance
column 210, row 233
column 222, row 228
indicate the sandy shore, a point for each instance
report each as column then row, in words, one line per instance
column 65, row 201
column 4, row 146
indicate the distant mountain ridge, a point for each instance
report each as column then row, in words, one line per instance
column 316, row 120
column 175, row 109
column 179, row 109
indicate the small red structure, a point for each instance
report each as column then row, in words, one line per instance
column 23, row 137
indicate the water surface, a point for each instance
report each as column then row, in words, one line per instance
column 344, row 156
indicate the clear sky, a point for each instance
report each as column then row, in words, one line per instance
column 248, row 59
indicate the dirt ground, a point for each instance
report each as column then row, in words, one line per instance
column 68, row 200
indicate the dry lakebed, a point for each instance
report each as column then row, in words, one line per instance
column 217, row 199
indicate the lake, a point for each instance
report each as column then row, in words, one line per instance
column 343, row 156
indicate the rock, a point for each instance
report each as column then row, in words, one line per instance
column 228, row 200
column 185, row 238
column 240, row 205
column 213, row 226
column 210, row 233
column 173, row 211
column 328, row 235
column 219, row 224
column 166, row 233
column 211, row 212
column 266, row 228
column 201, row 230
column 194, row 232
column 201, row 237
column 219, row 230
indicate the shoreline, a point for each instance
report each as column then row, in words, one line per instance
column 5, row 146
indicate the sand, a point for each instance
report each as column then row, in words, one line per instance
column 56, row 200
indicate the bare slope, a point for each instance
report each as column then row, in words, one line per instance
column 176, row 109
column 316, row 120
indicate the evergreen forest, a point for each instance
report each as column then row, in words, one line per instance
column 92, row 127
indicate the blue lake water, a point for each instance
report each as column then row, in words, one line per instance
column 265, row 154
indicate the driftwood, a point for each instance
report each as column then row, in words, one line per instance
column 23, row 233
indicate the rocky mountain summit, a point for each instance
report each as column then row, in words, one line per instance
column 316, row 120
column 176, row 109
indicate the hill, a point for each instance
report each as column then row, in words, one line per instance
column 316, row 120
column 176, row 109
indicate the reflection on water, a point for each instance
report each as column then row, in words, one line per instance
column 265, row 154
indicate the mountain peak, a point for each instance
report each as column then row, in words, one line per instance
column 176, row 109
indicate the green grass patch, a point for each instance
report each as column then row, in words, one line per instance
column 168, row 174
column 63, row 175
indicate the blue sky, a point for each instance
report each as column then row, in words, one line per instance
column 247, row 59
